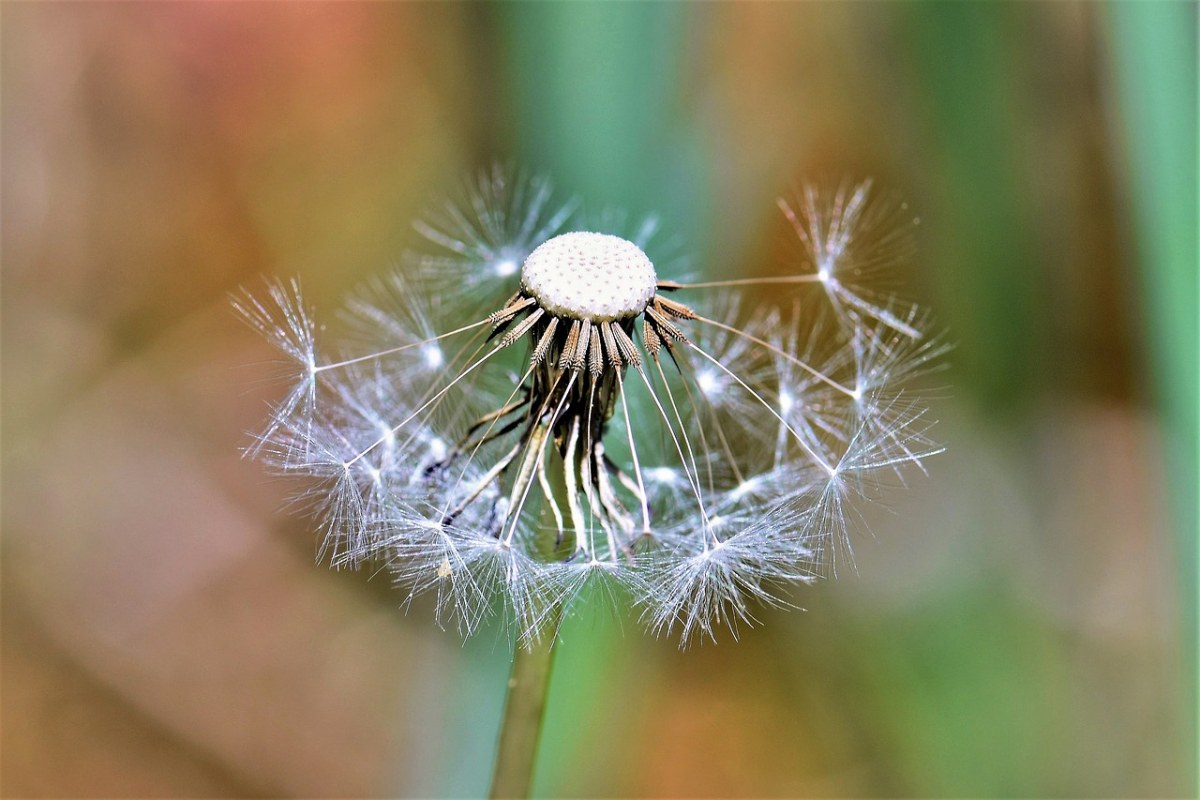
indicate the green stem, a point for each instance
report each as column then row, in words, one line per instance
column 523, row 712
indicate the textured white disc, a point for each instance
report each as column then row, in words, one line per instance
column 592, row 276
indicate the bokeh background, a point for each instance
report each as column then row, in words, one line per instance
column 1023, row 621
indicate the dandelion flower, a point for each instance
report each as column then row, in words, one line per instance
column 531, row 409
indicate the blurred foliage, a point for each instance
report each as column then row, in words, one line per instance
column 1155, row 70
column 965, row 57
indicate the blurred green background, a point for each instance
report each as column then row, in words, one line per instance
column 1023, row 621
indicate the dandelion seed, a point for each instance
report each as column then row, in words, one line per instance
column 595, row 426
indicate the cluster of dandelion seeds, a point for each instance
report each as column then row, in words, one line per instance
column 530, row 410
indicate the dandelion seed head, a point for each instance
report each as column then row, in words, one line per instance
column 590, row 276
column 527, row 419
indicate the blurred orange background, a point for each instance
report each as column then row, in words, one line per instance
column 1021, row 624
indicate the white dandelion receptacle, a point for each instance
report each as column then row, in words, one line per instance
column 658, row 435
column 592, row 276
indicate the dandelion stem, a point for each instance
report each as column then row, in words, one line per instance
column 524, row 708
